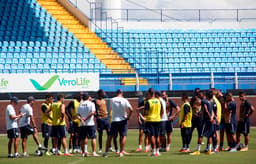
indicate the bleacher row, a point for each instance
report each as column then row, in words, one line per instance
column 179, row 51
column 32, row 41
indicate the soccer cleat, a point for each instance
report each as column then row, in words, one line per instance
column 70, row 151
column 221, row 149
column 25, row 154
column 68, row 154
column 209, row 153
column 94, row 154
column 195, row 153
column 146, row 150
column 216, row 150
column 48, row 153
column 10, row 156
column 110, row 149
column 167, row 149
column 139, row 149
column 100, row 151
column 42, row 148
column 227, row 148
column 162, row 150
column 16, row 155
column 182, row 150
column 244, row 149
column 126, row 153
column 105, row 155
column 121, row 154
column 59, row 153
column 187, row 151
column 233, row 150
column 154, row 155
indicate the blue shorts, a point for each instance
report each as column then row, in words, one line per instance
column 163, row 128
column 208, row 129
column 120, row 127
column 216, row 127
column 13, row 133
column 141, row 126
column 169, row 126
column 103, row 124
column 153, row 128
column 58, row 131
column 230, row 128
column 25, row 131
column 243, row 127
column 46, row 130
column 87, row 132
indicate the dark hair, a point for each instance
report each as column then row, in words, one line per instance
column 241, row 93
column 60, row 96
column 14, row 99
column 86, row 96
column 48, row 95
column 209, row 95
column 151, row 91
column 158, row 93
column 184, row 96
column 229, row 94
column 119, row 91
column 196, row 90
column 100, row 91
column 30, row 98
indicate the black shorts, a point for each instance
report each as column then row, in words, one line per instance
column 185, row 132
column 163, row 128
column 243, row 127
column 46, row 130
column 13, row 133
column 58, row 131
column 216, row 127
column 103, row 124
column 75, row 127
column 87, row 132
column 70, row 128
column 120, row 127
column 25, row 131
column 197, row 123
column 141, row 126
column 208, row 129
column 230, row 128
column 222, row 124
column 169, row 126
column 153, row 128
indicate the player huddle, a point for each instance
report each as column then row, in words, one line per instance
column 209, row 112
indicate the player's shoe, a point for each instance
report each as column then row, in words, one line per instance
column 25, row 154
column 68, row 154
column 146, row 150
column 233, row 150
column 121, row 154
column 228, row 148
column 216, row 150
column 10, row 156
column 187, row 151
column 105, row 155
column 139, row 149
column 195, row 153
column 154, row 155
column 244, row 149
column 16, row 155
column 59, row 153
column 48, row 153
column 167, row 149
column 94, row 154
column 42, row 148
column 126, row 153
column 209, row 153
column 100, row 151
column 182, row 150
column 110, row 149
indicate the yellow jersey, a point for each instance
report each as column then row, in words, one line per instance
column 154, row 110
column 218, row 104
column 187, row 123
column 74, row 111
column 45, row 118
column 57, row 115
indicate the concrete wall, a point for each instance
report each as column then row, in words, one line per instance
column 132, row 122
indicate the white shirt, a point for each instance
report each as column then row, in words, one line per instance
column 119, row 106
column 27, row 111
column 85, row 108
column 10, row 124
column 164, row 116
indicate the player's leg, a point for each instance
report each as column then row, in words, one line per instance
column 182, row 131
column 112, row 133
column 140, row 139
column 169, row 129
column 222, row 136
column 10, row 142
column 62, row 135
column 162, row 136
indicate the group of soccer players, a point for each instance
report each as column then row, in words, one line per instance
column 209, row 112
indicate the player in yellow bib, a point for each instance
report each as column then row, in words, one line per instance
column 58, row 124
column 185, row 122
column 153, row 111
column 74, row 124
column 46, row 120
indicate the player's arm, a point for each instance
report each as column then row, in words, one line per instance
column 69, row 110
column 177, row 110
column 186, row 111
column 62, row 112
column 92, row 113
column 13, row 116
column 207, row 112
column 46, row 111
column 129, row 107
column 146, row 109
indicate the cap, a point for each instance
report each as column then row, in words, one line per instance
column 14, row 99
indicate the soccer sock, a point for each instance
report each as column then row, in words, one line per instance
column 46, row 142
column 85, row 148
column 65, row 151
column 140, row 146
column 214, row 141
column 168, row 145
column 157, row 150
column 198, row 147
column 209, row 147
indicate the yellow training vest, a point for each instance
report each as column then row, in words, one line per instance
column 218, row 104
column 56, row 113
column 154, row 111
column 187, row 122
column 74, row 111
column 45, row 118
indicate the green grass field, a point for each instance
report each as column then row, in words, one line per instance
column 139, row 157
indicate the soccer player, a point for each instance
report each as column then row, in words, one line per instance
column 208, row 115
column 85, row 114
column 170, row 105
column 197, row 121
column 103, row 122
column 72, row 108
column 185, row 122
column 12, row 127
column 119, row 124
column 230, row 121
column 243, row 127
column 58, row 125
column 46, row 120
column 153, row 111
column 25, row 128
